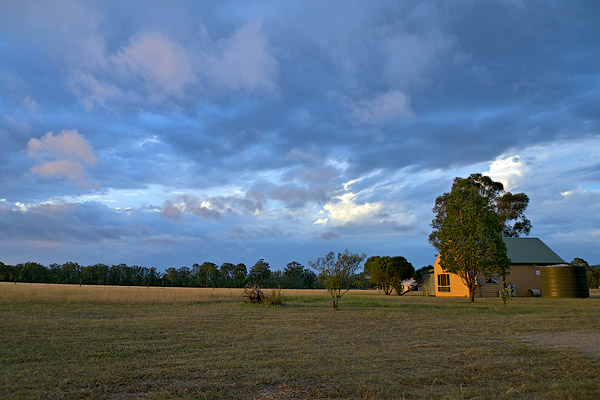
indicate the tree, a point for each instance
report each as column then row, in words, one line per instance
column 509, row 207
column 375, row 268
column 388, row 273
column 259, row 272
column 239, row 274
column 399, row 269
column 206, row 274
column 293, row 275
column 171, row 276
column 421, row 272
column 468, row 235
column 337, row 273
column 226, row 274
column 309, row 278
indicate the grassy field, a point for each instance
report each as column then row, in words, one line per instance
column 113, row 342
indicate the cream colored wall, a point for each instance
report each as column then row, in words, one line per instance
column 525, row 278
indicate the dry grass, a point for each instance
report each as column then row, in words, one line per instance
column 41, row 292
column 209, row 344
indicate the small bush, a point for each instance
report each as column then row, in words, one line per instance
column 253, row 294
column 273, row 298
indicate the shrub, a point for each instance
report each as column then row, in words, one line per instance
column 273, row 298
column 253, row 294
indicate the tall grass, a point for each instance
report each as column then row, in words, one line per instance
column 51, row 293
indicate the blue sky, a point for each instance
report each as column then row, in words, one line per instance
column 171, row 133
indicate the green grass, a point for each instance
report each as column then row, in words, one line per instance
column 375, row 347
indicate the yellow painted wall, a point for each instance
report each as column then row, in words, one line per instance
column 457, row 287
column 525, row 277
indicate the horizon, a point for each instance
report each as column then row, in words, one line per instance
column 236, row 131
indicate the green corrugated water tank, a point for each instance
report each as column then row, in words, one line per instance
column 564, row 281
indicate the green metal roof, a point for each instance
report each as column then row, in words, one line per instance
column 530, row 251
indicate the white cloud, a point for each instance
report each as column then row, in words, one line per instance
column 321, row 221
column 383, row 107
column 344, row 209
column 349, row 183
column 510, row 171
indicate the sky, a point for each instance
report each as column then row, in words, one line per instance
column 171, row 133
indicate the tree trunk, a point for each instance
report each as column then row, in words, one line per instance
column 472, row 295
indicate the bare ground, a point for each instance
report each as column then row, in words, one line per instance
column 586, row 342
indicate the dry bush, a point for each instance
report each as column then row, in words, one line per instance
column 273, row 298
column 253, row 294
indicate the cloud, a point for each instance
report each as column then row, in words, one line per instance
column 156, row 61
column 243, row 61
column 68, row 143
column 60, row 169
column 92, row 92
column 213, row 207
column 62, row 156
column 344, row 209
column 63, row 223
column 509, row 171
column 329, row 235
column 383, row 107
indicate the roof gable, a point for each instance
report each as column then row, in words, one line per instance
column 530, row 251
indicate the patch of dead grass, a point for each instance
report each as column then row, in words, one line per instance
column 586, row 342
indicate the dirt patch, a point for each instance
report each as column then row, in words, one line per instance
column 587, row 342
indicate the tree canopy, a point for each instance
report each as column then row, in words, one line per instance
column 259, row 272
column 468, row 235
column 387, row 273
column 509, row 207
column 337, row 272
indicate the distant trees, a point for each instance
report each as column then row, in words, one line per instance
column 593, row 272
column 259, row 273
column 421, row 272
column 337, row 272
column 296, row 276
column 387, row 273
column 468, row 233
column 206, row 274
column 239, row 274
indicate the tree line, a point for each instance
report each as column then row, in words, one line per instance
column 207, row 274
column 379, row 273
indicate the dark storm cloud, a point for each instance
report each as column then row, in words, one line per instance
column 58, row 223
column 246, row 121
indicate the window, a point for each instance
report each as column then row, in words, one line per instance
column 443, row 283
column 493, row 279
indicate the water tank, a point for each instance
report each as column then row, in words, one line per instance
column 564, row 281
